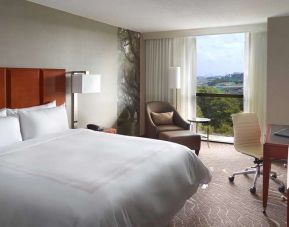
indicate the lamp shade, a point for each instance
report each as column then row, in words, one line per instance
column 175, row 77
column 83, row 83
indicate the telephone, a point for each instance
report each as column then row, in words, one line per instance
column 94, row 127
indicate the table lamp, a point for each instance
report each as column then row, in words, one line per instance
column 82, row 83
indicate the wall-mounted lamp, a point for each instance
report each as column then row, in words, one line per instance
column 175, row 80
column 82, row 83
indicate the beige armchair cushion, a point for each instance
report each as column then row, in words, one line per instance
column 162, row 118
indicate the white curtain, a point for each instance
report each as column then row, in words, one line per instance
column 255, row 79
column 157, row 68
column 176, row 52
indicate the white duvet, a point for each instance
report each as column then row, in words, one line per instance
column 92, row 179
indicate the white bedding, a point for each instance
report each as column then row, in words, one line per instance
column 90, row 179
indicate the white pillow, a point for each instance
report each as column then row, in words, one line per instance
column 43, row 122
column 11, row 112
column 3, row 112
column 9, row 131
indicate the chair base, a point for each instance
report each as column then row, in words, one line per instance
column 257, row 171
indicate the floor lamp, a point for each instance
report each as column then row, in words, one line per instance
column 82, row 83
column 175, row 80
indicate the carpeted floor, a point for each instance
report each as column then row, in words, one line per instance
column 226, row 204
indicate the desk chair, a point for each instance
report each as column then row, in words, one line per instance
column 247, row 136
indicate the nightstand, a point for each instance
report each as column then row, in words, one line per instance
column 110, row 130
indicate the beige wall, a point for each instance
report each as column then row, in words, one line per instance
column 278, row 71
column 35, row 36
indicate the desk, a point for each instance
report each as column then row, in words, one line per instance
column 275, row 147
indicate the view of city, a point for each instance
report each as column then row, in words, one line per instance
column 220, row 66
column 228, row 84
column 220, row 108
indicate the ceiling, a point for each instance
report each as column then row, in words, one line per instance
column 165, row 15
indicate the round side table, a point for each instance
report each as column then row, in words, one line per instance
column 201, row 120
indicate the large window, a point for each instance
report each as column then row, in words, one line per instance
column 220, row 70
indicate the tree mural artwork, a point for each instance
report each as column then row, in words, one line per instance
column 128, row 82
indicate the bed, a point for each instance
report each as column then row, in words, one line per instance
column 85, row 178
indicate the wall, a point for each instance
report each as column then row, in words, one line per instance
column 36, row 36
column 278, row 71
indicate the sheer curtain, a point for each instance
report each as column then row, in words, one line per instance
column 176, row 52
column 255, row 79
column 157, row 69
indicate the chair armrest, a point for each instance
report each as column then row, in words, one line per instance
column 180, row 121
column 151, row 129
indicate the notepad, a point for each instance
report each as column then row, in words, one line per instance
column 283, row 132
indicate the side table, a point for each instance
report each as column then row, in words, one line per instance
column 101, row 129
column 110, row 130
column 201, row 120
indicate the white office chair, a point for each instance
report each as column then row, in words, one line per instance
column 247, row 136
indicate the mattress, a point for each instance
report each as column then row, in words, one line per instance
column 85, row 178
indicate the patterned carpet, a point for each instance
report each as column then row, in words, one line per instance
column 226, row 204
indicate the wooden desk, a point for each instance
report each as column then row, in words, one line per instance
column 275, row 147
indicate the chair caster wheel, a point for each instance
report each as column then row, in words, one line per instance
column 231, row 178
column 253, row 190
column 281, row 189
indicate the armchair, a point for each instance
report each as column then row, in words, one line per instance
column 152, row 130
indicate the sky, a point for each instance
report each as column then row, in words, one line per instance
column 220, row 54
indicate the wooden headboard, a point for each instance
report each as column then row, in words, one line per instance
column 25, row 87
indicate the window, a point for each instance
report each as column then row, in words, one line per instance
column 220, row 70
